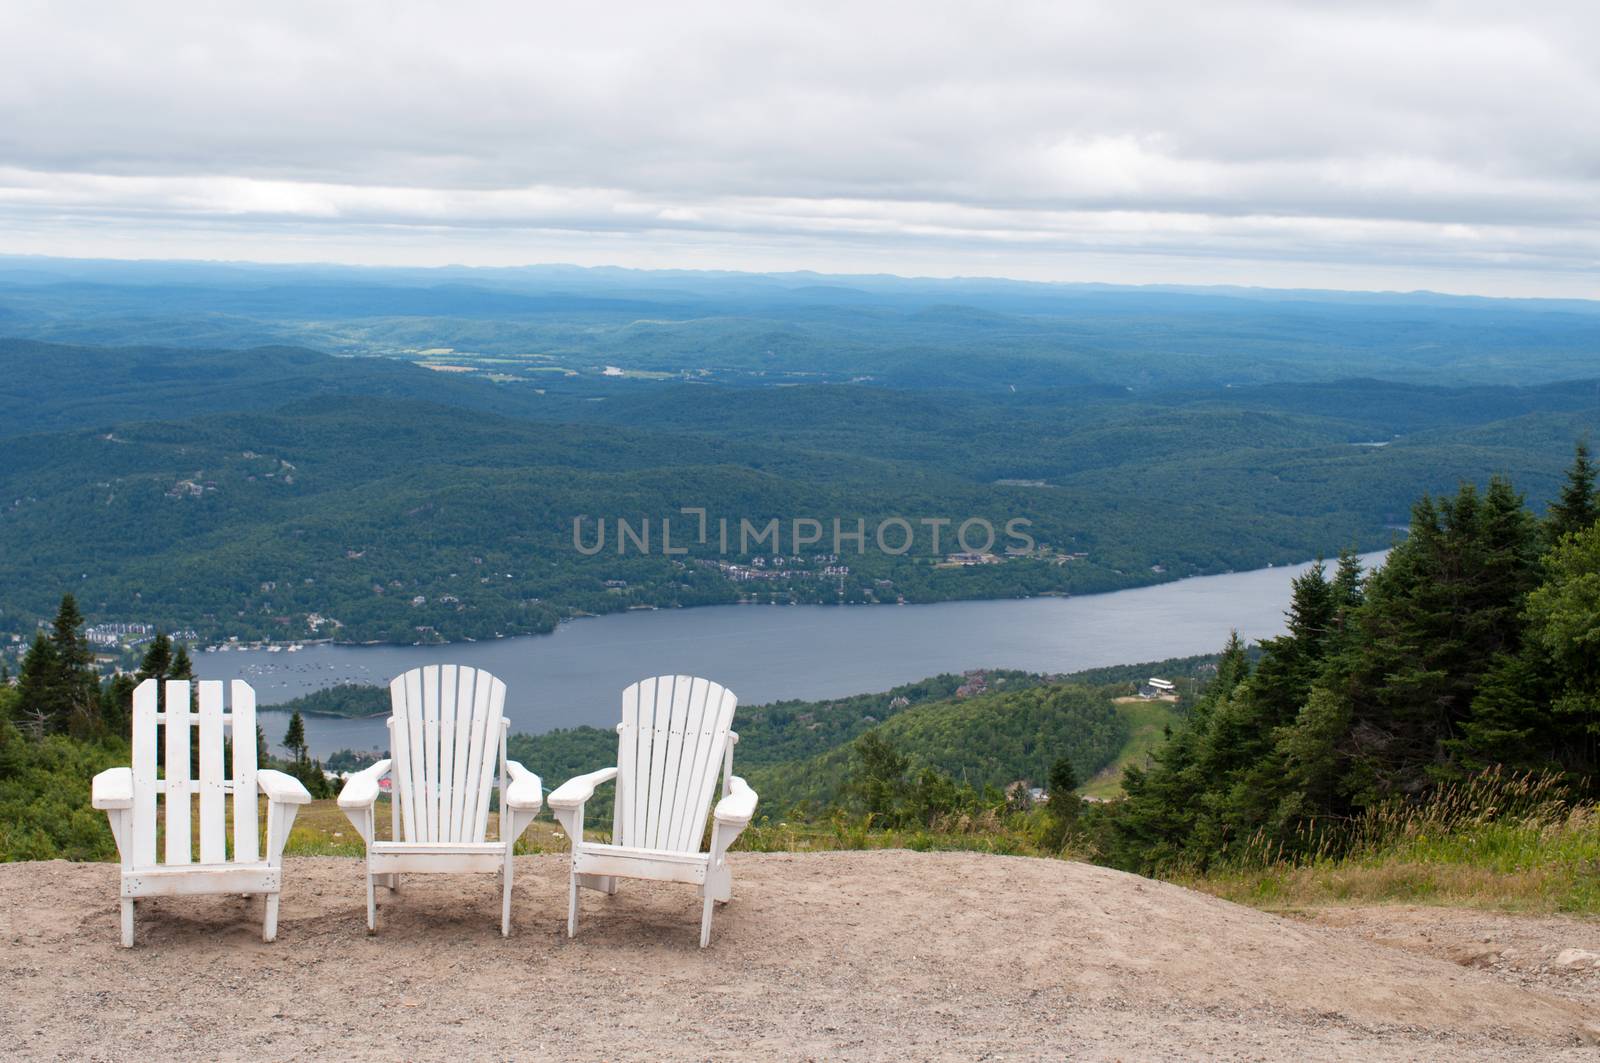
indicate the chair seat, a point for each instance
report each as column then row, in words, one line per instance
column 626, row 861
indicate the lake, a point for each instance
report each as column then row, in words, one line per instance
column 768, row 653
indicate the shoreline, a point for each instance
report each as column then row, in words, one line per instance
column 1161, row 579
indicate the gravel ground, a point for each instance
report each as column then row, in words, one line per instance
column 880, row 955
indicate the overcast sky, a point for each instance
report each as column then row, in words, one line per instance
column 1452, row 146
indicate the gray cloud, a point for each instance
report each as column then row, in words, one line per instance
column 1448, row 145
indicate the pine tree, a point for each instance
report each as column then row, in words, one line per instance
column 1163, row 819
column 1064, row 806
column 64, row 632
column 1563, row 618
column 1577, row 508
column 1436, row 617
column 157, row 660
column 75, row 700
column 182, row 666
column 294, row 740
column 39, row 686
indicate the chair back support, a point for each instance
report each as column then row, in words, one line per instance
column 670, row 747
column 165, row 773
column 445, row 742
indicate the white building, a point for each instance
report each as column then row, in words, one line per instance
column 1157, row 688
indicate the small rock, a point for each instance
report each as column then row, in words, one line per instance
column 1476, row 957
column 1577, row 958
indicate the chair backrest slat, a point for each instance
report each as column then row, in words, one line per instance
column 475, row 749
column 669, row 750
column 163, row 786
column 446, row 790
column 213, row 794
column 146, row 703
column 246, row 831
column 489, row 761
column 180, row 837
column 628, row 758
column 461, row 745
column 445, row 746
column 430, row 751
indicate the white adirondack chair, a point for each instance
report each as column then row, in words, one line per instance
column 447, row 733
column 673, row 738
column 128, row 796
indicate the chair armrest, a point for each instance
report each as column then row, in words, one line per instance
column 280, row 788
column 574, row 792
column 739, row 805
column 361, row 789
column 526, row 792
column 113, row 788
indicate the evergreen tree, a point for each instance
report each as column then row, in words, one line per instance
column 157, row 660
column 75, row 698
column 1161, row 820
column 1064, row 806
column 70, row 645
column 294, row 740
column 39, row 686
column 1563, row 617
column 1435, row 619
column 1577, row 508
column 116, row 705
column 182, row 666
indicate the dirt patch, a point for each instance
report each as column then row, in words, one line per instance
column 880, row 955
column 1556, row 954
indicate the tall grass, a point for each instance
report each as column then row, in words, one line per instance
column 1498, row 840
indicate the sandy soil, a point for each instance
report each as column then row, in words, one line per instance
column 883, row 955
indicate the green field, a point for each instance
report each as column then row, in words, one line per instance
column 1147, row 728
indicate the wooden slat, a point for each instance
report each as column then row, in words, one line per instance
column 666, row 867
column 430, row 751
column 213, row 801
column 487, row 764
column 683, row 698
column 196, row 878
column 481, row 742
column 447, row 753
column 246, row 831
column 460, row 824
column 180, row 843
column 416, row 793
column 685, row 834
column 667, row 695
column 722, row 717
column 627, row 750
column 639, row 766
column 146, row 697
column 401, row 762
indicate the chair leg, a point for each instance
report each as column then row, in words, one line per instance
column 127, row 922
column 705, row 919
column 269, row 928
column 505, row 900
column 372, row 905
column 572, row 904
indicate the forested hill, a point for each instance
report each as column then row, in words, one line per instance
column 47, row 387
column 975, row 334
column 252, row 493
